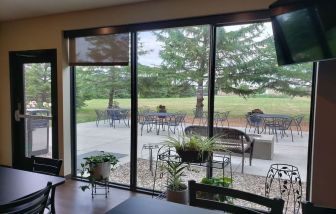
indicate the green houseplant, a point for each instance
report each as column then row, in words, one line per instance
column 193, row 148
column 176, row 189
column 97, row 168
column 216, row 181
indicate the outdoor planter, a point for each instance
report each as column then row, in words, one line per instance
column 162, row 108
column 193, row 156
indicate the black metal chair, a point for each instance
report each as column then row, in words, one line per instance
column 50, row 167
column 310, row 208
column 101, row 115
column 286, row 124
column 274, row 206
column 221, row 117
column 175, row 121
column 202, row 117
column 34, row 203
column 297, row 120
column 253, row 120
column 230, row 140
column 149, row 121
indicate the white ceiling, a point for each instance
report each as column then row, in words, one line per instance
column 18, row 9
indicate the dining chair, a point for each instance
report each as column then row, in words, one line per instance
column 275, row 206
column 33, row 203
column 310, row 208
column 50, row 167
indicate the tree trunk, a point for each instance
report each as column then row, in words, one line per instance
column 111, row 97
column 199, row 100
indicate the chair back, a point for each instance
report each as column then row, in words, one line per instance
column 33, row 203
column 275, row 205
column 298, row 119
column 46, row 165
column 310, row 208
column 286, row 123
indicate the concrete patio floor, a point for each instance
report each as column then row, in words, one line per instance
column 117, row 140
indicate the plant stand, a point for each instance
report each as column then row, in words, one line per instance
column 168, row 154
column 102, row 185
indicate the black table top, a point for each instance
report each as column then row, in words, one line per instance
column 142, row 205
column 15, row 184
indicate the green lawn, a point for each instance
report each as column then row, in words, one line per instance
column 237, row 105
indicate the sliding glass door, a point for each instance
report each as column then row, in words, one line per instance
column 210, row 78
column 173, row 66
column 103, row 101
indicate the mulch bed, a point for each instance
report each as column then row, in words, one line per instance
column 245, row 182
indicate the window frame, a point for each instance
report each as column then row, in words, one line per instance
column 213, row 21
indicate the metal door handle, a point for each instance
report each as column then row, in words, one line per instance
column 18, row 116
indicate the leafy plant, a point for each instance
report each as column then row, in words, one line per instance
column 193, row 143
column 220, row 182
column 88, row 167
column 175, row 172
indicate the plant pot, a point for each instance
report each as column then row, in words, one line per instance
column 180, row 197
column 193, row 156
column 101, row 171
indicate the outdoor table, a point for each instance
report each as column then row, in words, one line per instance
column 161, row 116
column 145, row 205
column 280, row 116
column 15, row 184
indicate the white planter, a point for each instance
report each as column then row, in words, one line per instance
column 180, row 197
column 101, row 171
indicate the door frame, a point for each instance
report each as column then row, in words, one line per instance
column 16, row 60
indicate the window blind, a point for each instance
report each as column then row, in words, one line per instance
column 110, row 49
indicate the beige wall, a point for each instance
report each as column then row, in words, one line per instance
column 324, row 156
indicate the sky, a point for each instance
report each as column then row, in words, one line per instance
column 150, row 44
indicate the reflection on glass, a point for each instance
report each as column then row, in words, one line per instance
column 37, row 91
column 103, row 116
column 172, row 86
column 257, row 98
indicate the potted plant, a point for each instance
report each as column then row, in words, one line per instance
column 161, row 108
column 216, row 181
column 176, row 190
column 97, row 168
column 193, row 148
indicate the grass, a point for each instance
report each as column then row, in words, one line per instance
column 237, row 105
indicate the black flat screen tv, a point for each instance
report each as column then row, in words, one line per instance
column 304, row 30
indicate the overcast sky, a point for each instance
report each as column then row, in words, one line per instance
column 150, row 44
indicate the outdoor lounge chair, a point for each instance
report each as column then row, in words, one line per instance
column 230, row 140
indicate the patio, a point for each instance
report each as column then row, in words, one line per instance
column 91, row 138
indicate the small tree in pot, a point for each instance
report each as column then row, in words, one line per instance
column 97, row 167
column 177, row 191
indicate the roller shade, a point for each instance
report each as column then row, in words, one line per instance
column 110, row 49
